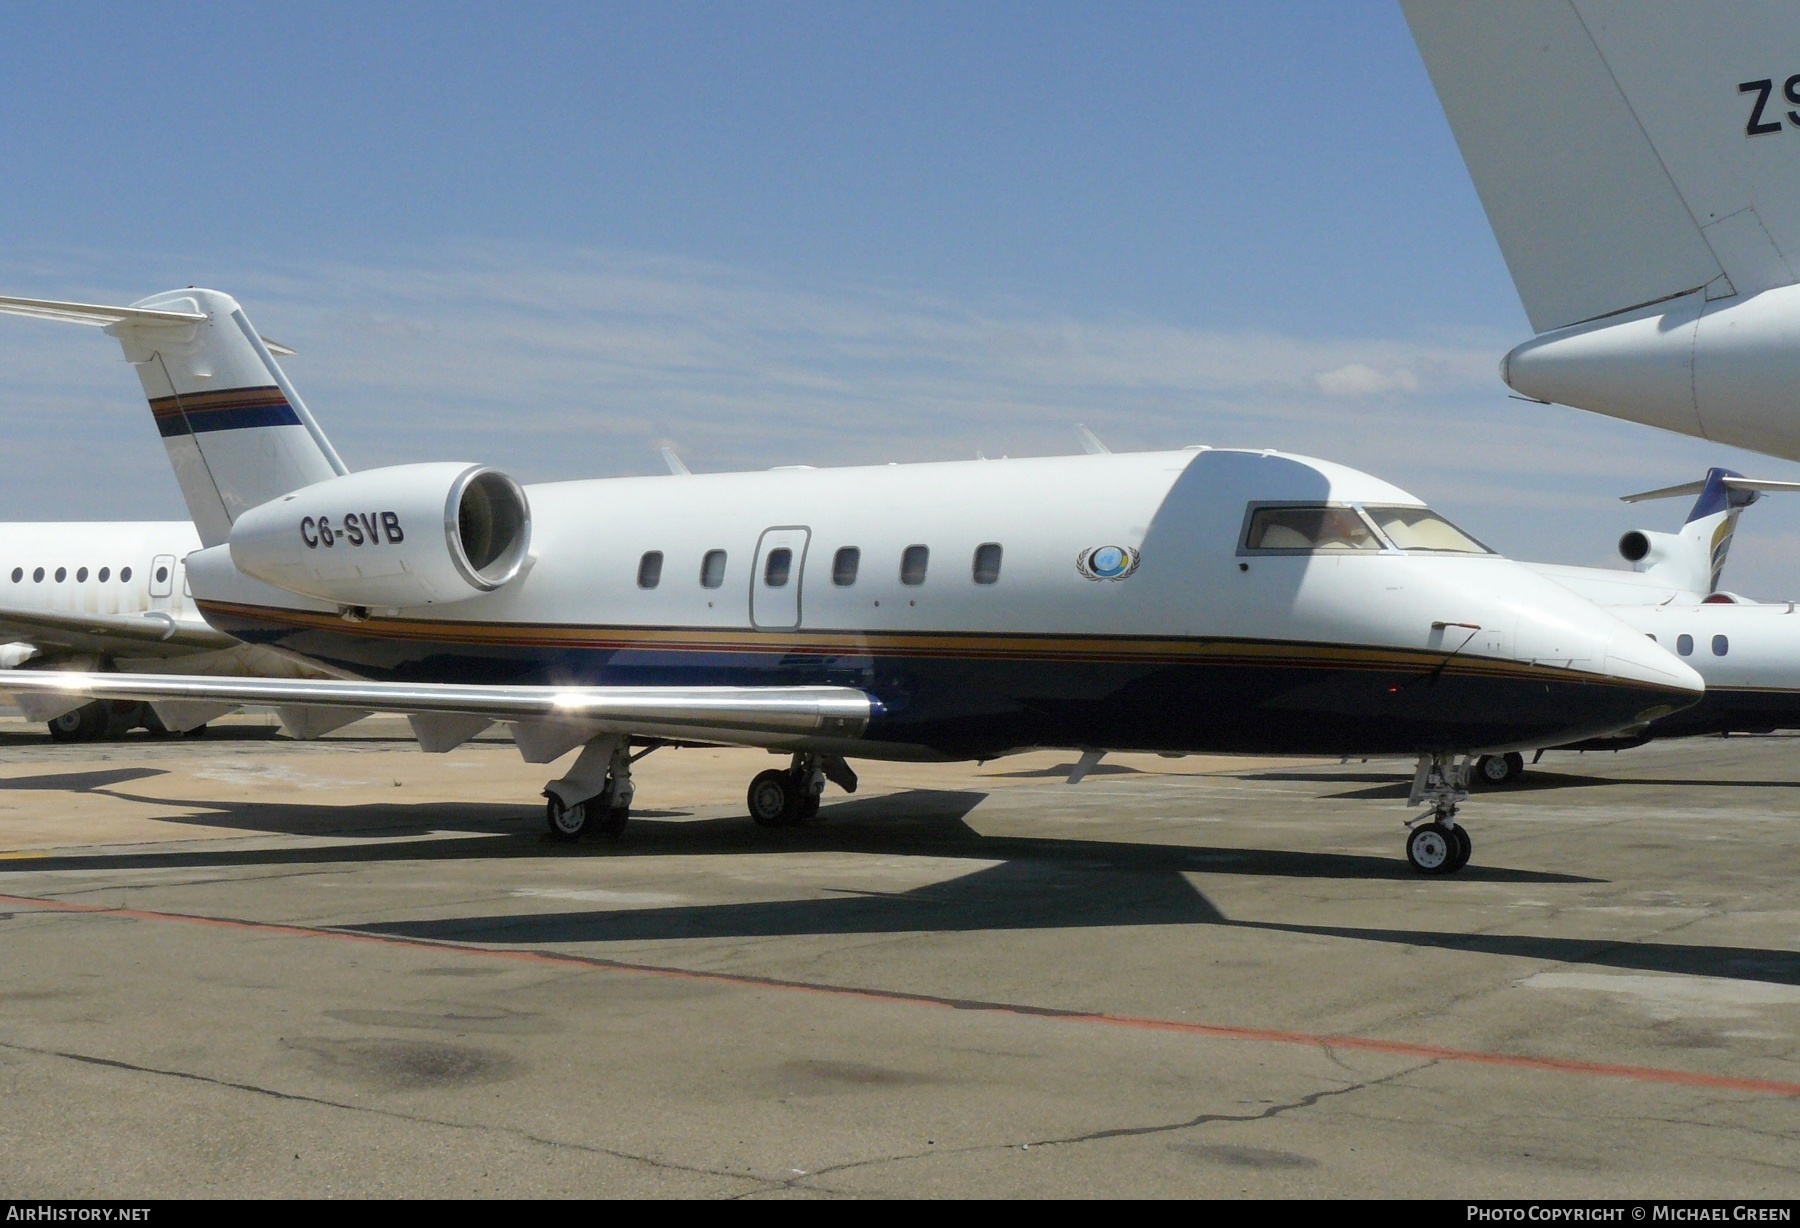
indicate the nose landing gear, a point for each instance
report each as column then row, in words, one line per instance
column 1435, row 842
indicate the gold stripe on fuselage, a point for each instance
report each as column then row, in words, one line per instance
column 1083, row 649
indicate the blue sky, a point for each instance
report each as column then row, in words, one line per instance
column 553, row 238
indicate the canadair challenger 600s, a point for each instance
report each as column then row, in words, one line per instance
column 1199, row 600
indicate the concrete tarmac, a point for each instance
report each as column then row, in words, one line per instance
column 244, row 966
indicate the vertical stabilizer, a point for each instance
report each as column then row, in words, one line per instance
column 1713, row 521
column 1692, row 559
column 237, row 433
column 1626, row 153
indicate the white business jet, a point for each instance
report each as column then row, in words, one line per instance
column 1184, row 601
column 1748, row 651
column 1640, row 167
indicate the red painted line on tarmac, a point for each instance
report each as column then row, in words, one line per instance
column 1211, row 1031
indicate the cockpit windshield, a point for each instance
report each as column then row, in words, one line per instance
column 1418, row 528
column 1309, row 528
column 1321, row 529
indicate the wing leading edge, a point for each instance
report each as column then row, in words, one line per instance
column 545, row 719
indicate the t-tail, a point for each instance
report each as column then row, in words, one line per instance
column 237, row 433
column 1694, row 558
column 270, row 499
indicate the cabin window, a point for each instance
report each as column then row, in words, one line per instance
column 1721, row 645
column 37, row 576
column 843, row 566
column 124, row 575
column 18, row 574
column 1684, row 644
column 712, row 569
column 987, row 563
column 777, row 566
column 650, row 569
column 1419, row 528
column 913, row 563
column 81, row 575
column 105, row 575
column 162, row 575
column 62, row 573
column 1300, row 530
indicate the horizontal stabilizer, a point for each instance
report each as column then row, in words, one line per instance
column 98, row 315
column 1694, row 488
column 93, row 314
column 742, row 715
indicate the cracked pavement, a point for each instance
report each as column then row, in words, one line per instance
column 244, row 966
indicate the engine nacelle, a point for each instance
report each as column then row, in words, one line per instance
column 1720, row 369
column 1645, row 548
column 406, row 535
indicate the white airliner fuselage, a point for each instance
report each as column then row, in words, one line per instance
column 108, row 595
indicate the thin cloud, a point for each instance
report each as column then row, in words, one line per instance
column 572, row 364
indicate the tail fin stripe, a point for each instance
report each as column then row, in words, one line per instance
column 227, row 410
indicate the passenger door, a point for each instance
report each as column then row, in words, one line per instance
column 775, row 580
column 162, row 579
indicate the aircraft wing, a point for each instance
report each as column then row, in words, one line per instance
column 542, row 716
column 97, row 632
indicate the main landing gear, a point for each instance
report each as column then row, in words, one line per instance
column 595, row 797
column 1499, row 771
column 1435, row 842
column 110, row 718
column 789, row 797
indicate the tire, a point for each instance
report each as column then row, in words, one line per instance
column 198, row 731
column 1430, row 847
column 1465, row 847
column 84, row 724
column 611, row 821
column 121, row 717
column 1498, row 771
column 773, row 800
column 808, row 811
column 566, row 823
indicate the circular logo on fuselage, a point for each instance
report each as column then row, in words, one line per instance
column 1107, row 562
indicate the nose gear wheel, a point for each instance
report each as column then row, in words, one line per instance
column 1437, row 843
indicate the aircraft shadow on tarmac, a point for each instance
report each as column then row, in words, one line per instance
column 1060, row 771
column 918, row 822
column 79, row 782
column 1037, row 883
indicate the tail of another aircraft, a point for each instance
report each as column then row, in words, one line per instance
column 236, row 432
column 1694, row 558
column 1626, row 153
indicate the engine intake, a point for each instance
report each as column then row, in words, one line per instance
column 405, row 535
column 1645, row 548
